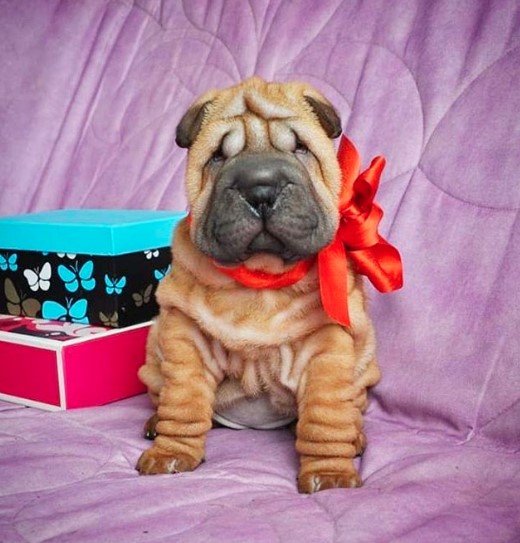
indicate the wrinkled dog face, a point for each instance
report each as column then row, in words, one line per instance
column 262, row 173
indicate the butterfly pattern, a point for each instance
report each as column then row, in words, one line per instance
column 17, row 302
column 110, row 291
column 161, row 274
column 74, row 276
column 8, row 262
column 39, row 279
column 73, row 310
column 109, row 320
column 114, row 285
column 142, row 297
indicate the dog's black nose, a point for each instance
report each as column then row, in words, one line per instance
column 260, row 197
column 260, row 179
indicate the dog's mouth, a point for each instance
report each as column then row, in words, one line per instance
column 288, row 237
column 263, row 243
column 266, row 242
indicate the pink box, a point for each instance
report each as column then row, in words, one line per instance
column 61, row 365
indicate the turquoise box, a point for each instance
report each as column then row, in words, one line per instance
column 95, row 266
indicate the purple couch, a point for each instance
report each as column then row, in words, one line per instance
column 90, row 93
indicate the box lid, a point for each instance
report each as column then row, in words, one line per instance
column 89, row 231
column 50, row 334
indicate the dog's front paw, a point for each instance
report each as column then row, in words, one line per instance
column 155, row 461
column 315, row 481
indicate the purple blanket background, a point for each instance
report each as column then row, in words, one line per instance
column 90, row 94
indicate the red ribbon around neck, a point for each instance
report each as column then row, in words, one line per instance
column 356, row 239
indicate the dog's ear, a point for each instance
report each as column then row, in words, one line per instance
column 327, row 115
column 190, row 124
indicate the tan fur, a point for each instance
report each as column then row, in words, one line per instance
column 215, row 339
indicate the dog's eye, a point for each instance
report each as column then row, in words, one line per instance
column 301, row 147
column 217, row 156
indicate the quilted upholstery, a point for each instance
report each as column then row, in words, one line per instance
column 90, row 94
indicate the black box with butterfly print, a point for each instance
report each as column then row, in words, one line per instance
column 85, row 287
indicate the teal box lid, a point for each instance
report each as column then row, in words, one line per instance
column 89, row 231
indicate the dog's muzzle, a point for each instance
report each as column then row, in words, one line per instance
column 263, row 203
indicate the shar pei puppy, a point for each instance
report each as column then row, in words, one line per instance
column 263, row 183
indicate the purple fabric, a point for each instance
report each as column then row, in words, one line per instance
column 90, row 93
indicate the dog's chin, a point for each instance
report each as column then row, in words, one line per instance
column 265, row 261
column 271, row 257
column 262, row 261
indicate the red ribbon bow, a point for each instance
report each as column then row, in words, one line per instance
column 357, row 236
column 356, row 239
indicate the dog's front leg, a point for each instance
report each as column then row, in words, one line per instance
column 329, row 430
column 185, row 401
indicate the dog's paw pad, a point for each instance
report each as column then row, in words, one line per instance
column 314, row 482
column 154, row 462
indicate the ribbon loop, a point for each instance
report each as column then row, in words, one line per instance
column 360, row 216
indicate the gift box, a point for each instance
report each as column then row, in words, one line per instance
column 57, row 365
column 89, row 266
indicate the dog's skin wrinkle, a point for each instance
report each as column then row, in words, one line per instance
column 217, row 342
column 294, row 220
column 255, row 131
